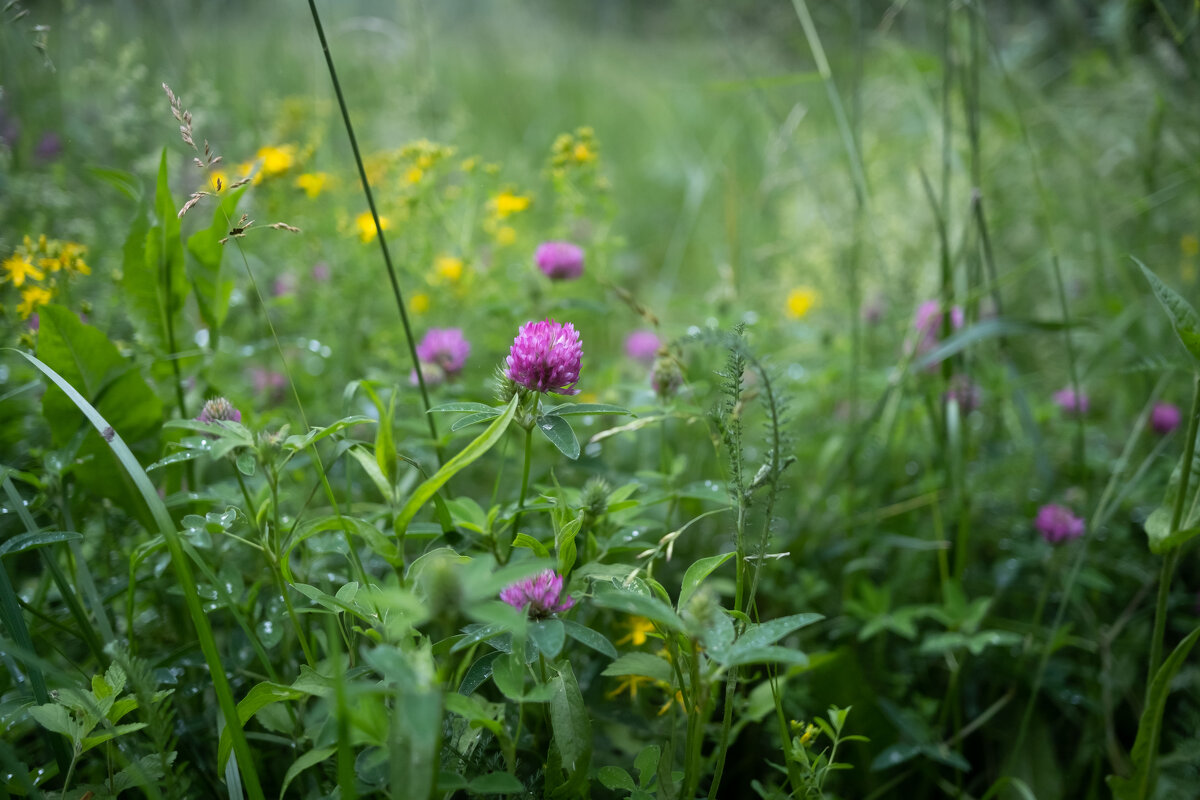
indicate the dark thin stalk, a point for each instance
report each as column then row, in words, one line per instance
column 387, row 257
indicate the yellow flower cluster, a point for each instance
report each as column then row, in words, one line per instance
column 574, row 150
column 39, row 268
column 501, row 207
column 365, row 224
column 271, row 161
column 800, row 301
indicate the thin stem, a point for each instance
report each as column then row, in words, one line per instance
column 524, row 483
column 1172, row 556
column 387, row 257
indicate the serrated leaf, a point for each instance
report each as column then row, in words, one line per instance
column 560, row 434
column 57, row 719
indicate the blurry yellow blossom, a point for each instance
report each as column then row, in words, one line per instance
column 32, row 298
column 508, row 203
column 638, row 628
column 414, row 175
column 800, row 301
column 277, row 160
column 1190, row 245
column 448, row 268
column 70, row 257
column 469, row 164
column 313, row 183
column 1188, row 272
column 366, row 226
column 250, row 169
column 676, row 698
column 424, row 161
column 19, row 268
column 420, row 303
column 583, row 154
column 218, row 181
column 807, row 733
column 589, row 397
column 506, row 235
column 629, row 683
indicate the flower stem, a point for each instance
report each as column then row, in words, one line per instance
column 524, row 486
column 1172, row 556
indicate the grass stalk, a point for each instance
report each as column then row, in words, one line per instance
column 387, row 257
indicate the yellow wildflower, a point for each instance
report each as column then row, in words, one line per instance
column 277, row 160
column 424, row 161
column 71, row 258
column 414, row 175
column 629, row 683
column 638, row 628
column 31, row 299
column 448, row 268
column 218, row 181
column 20, row 268
column 313, row 183
column 366, row 226
column 506, row 235
column 469, row 164
column 583, row 154
column 420, row 303
column 250, row 169
column 676, row 698
column 1190, row 245
column 508, row 203
column 800, row 301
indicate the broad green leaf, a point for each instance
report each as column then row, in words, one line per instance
column 584, row 635
column 479, row 672
column 460, row 461
column 527, row 541
column 155, row 285
column 496, row 783
column 1140, row 785
column 646, row 764
column 696, row 573
column 212, row 289
column 615, row 778
column 309, row 759
column 738, row 656
column 478, row 408
column 56, row 718
column 1183, row 317
column 30, row 541
column 569, row 720
column 771, row 631
column 124, row 182
column 548, row 635
column 649, row 607
column 560, row 434
column 298, row 442
column 261, row 696
column 473, row 419
column 379, row 543
column 645, row 664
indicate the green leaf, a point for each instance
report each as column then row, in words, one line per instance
column 646, row 764
column 640, row 605
column 379, row 543
column 564, row 543
column 58, row 719
column 261, row 696
column 478, row 408
column 584, row 635
column 246, row 463
column 548, row 635
column 309, row 759
column 479, row 672
column 527, row 541
column 650, row 666
column 460, row 461
column 1183, row 317
column 204, row 271
column 615, row 778
column 1140, row 785
column 569, row 720
column 473, row 419
column 560, row 434
column 696, row 573
column 153, row 278
column 124, row 182
column 771, row 631
column 496, row 783
column 298, row 442
column 29, row 541
column 578, row 409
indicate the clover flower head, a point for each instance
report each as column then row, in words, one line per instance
column 1072, row 402
column 1165, row 418
column 559, row 261
column 218, row 409
column 445, row 348
column 546, row 356
column 1057, row 524
column 539, row 596
column 928, row 324
column 642, row 346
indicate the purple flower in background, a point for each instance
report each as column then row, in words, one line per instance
column 320, row 272
column 1072, row 403
column 546, row 356
column 1057, row 524
column 218, row 409
column 268, row 382
column 538, row 595
column 642, row 346
column 35, row 321
column 49, row 147
column 927, row 324
column 1165, row 418
column 284, row 285
column 965, row 392
column 560, row 261
column 445, row 348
